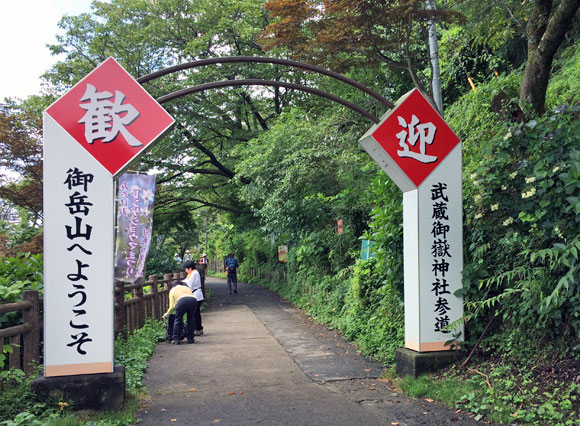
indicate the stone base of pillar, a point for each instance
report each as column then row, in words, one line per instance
column 412, row 363
column 100, row 392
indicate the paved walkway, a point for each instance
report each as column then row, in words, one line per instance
column 263, row 362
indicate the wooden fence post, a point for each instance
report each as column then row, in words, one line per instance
column 166, row 279
column 120, row 312
column 155, row 292
column 31, row 340
column 140, row 303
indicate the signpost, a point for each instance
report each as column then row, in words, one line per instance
column 420, row 153
column 91, row 134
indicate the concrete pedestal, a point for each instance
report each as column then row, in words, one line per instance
column 412, row 363
column 101, row 392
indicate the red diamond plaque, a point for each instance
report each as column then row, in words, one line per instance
column 110, row 114
column 415, row 137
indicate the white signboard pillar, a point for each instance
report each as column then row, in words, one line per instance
column 91, row 134
column 433, row 257
column 419, row 152
column 78, row 275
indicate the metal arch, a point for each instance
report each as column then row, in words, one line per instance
column 258, row 82
column 259, row 59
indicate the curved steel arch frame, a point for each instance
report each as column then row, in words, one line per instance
column 258, row 59
column 258, row 82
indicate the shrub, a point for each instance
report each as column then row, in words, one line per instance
column 17, row 399
column 23, row 272
column 523, row 224
column 134, row 352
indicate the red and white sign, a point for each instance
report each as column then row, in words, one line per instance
column 422, row 156
column 90, row 134
column 111, row 116
column 410, row 141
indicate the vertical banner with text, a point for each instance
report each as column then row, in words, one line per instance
column 135, row 199
column 91, row 134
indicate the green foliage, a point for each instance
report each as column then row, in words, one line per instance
column 525, row 254
column 160, row 260
column 256, row 249
column 23, row 272
column 448, row 391
column 463, row 56
column 493, row 23
column 386, row 230
column 501, row 391
column 305, row 175
column 17, row 274
column 24, row 418
column 18, row 405
column 564, row 87
column 17, row 237
column 505, row 395
column 134, row 352
column 373, row 313
column 473, row 119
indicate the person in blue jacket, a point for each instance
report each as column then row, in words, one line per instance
column 232, row 271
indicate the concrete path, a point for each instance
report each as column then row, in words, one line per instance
column 263, row 362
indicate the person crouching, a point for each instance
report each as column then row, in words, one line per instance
column 182, row 300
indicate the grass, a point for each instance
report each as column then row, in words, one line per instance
column 503, row 392
column 448, row 391
column 18, row 406
column 89, row 418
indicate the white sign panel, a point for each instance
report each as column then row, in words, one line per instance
column 433, row 257
column 78, row 276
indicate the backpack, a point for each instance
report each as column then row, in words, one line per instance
column 231, row 265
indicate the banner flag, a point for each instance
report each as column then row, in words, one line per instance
column 134, row 224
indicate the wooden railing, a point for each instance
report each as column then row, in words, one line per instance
column 24, row 338
column 136, row 302
column 274, row 276
column 133, row 304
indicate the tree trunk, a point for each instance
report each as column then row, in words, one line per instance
column 545, row 34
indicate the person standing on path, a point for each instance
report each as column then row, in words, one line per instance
column 232, row 272
column 184, row 303
column 193, row 281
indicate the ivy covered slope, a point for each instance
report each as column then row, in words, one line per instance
column 522, row 246
column 522, row 209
